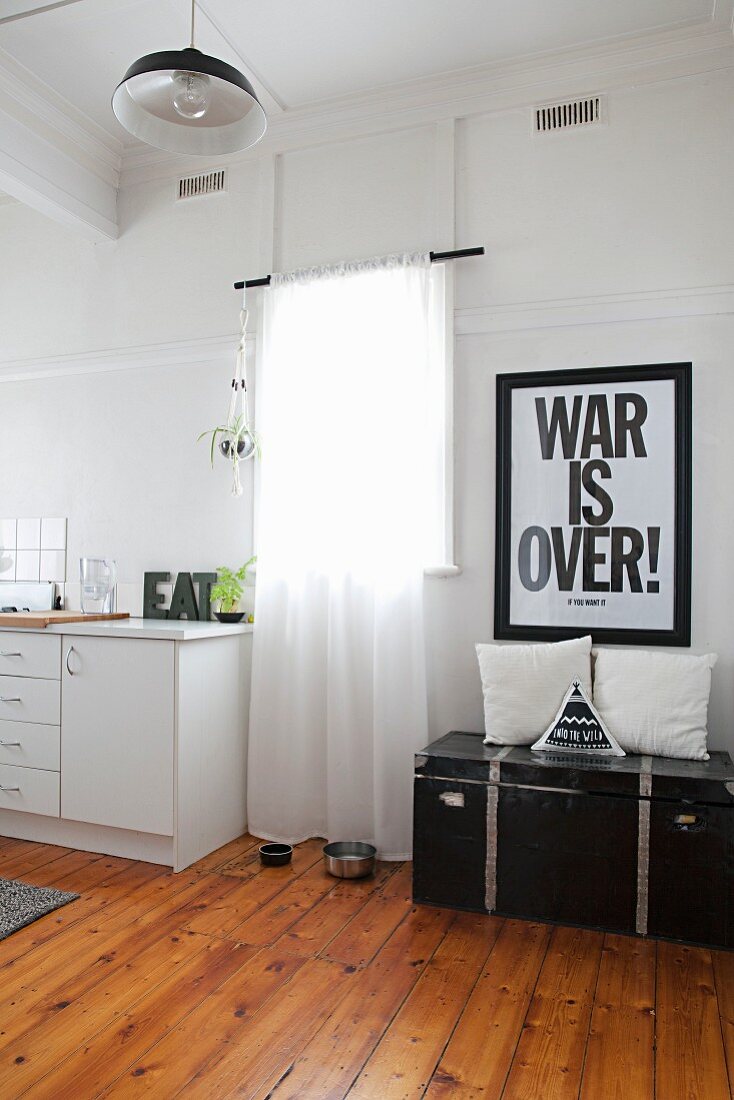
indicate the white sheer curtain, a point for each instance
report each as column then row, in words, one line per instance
column 349, row 394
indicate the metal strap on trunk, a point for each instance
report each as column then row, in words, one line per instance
column 490, row 880
column 643, row 845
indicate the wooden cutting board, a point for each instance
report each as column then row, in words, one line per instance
column 39, row 620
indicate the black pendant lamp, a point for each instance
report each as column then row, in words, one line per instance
column 185, row 101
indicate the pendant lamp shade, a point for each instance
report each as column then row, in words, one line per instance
column 185, row 101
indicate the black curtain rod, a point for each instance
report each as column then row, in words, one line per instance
column 454, row 254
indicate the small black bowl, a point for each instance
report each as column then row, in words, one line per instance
column 229, row 616
column 275, row 855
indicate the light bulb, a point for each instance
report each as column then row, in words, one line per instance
column 191, row 99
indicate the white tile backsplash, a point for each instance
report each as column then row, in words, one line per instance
column 53, row 534
column 73, row 596
column 53, row 565
column 8, row 534
column 27, row 565
column 29, row 536
column 7, row 564
column 33, row 548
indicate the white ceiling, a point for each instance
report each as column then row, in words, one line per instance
column 302, row 51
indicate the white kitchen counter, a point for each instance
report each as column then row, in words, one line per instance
column 173, row 630
column 129, row 749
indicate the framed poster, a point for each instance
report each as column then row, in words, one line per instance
column 593, row 528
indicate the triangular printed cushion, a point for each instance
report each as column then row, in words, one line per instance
column 578, row 728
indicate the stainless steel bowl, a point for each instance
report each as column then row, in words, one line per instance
column 349, row 858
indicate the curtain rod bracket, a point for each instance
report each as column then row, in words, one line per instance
column 435, row 257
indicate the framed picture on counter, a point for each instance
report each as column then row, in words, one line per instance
column 593, row 506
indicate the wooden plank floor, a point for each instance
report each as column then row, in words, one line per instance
column 232, row 980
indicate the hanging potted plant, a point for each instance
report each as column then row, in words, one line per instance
column 235, row 438
column 236, row 441
column 228, row 591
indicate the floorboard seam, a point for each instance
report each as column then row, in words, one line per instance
column 163, row 1035
column 591, row 1016
column 319, row 901
column 117, row 1016
column 655, row 1025
column 729, row 1069
column 213, row 1064
column 72, row 924
column 217, row 868
column 463, row 1007
column 419, row 973
column 531, row 998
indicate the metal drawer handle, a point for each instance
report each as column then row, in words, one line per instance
column 452, row 798
column 69, row 652
column 10, row 699
column 10, row 744
column 10, row 653
column 689, row 822
column 9, row 788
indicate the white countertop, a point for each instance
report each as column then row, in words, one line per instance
column 176, row 630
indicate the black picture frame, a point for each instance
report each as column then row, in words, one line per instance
column 681, row 375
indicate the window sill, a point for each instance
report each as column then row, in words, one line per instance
column 443, row 572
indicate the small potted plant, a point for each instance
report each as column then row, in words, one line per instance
column 228, row 591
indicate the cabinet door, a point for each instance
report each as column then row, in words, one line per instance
column 117, row 733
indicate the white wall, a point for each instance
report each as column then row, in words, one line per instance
column 117, row 454
column 607, row 246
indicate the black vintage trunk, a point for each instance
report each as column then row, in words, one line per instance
column 630, row 844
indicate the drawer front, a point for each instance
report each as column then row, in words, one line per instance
column 570, row 858
column 450, row 843
column 26, row 700
column 692, row 873
column 30, row 791
column 30, row 745
column 24, row 654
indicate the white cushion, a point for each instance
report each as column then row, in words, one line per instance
column 524, row 685
column 655, row 703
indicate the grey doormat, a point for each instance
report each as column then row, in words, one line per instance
column 21, row 904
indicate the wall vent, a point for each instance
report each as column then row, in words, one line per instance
column 206, row 183
column 569, row 114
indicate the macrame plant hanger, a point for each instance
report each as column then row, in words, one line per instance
column 239, row 441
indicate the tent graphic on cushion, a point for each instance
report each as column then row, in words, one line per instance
column 578, row 728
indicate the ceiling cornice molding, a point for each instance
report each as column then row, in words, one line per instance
column 609, row 66
column 643, row 48
column 59, row 122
